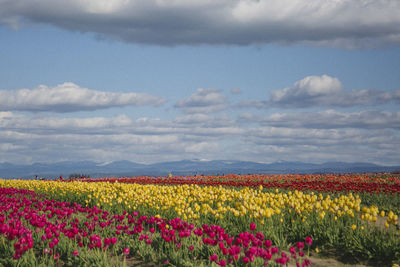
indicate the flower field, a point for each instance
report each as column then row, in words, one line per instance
column 253, row 220
column 356, row 183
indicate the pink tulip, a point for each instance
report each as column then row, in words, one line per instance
column 213, row 257
column 267, row 243
column 126, row 251
column 300, row 245
column 222, row 263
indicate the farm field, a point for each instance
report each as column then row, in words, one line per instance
column 230, row 220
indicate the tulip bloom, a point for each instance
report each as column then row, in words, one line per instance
column 126, row 251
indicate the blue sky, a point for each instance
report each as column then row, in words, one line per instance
column 151, row 81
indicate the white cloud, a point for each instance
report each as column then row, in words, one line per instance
column 204, row 120
column 203, row 147
column 323, row 139
column 25, row 139
column 203, row 101
column 311, row 86
column 28, row 139
column 323, row 91
column 69, row 97
column 328, row 119
column 312, row 90
column 341, row 23
column 319, row 145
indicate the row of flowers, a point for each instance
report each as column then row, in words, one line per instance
column 191, row 202
column 356, row 183
column 30, row 222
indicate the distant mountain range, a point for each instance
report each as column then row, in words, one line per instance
column 184, row 167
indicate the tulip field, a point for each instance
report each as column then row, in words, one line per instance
column 229, row 220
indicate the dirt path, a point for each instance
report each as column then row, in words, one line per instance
column 320, row 262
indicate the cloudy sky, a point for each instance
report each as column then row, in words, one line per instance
column 158, row 80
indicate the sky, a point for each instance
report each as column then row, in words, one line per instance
column 155, row 80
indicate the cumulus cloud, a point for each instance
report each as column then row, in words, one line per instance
column 35, row 138
column 203, row 146
column 328, row 91
column 344, row 23
column 203, row 101
column 321, row 145
column 323, row 90
column 309, row 89
column 50, row 125
column 328, row 119
column 69, row 97
column 321, row 138
column 190, row 125
column 204, row 120
column 41, row 138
